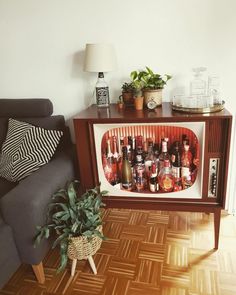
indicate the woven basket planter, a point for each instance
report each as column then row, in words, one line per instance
column 81, row 248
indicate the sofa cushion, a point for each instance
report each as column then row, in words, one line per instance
column 26, row 149
column 6, row 186
column 21, row 107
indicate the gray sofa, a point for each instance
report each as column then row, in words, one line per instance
column 23, row 205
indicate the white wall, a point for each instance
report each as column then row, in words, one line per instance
column 42, row 43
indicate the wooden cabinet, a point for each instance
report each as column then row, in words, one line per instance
column 92, row 123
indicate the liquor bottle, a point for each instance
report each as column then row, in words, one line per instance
column 165, row 178
column 185, row 141
column 198, row 85
column 164, row 155
column 187, row 157
column 139, row 141
column 145, row 149
column 153, row 182
column 149, row 159
column 139, row 172
column 102, row 91
column 121, row 144
column 177, row 179
column 186, row 178
column 107, row 168
column 129, row 153
column 110, row 161
column 131, row 142
column 116, row 160
column 195, row 163
column 156, row 156
column 126, row 172
column 196, row 153
column 175, row 155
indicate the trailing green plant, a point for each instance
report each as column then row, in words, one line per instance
column 70, row 215
column 149, row 79
column 127, row 87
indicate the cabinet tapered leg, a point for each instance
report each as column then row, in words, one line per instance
column 217, row 214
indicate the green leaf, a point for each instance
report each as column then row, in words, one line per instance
column 149, row 71
column 98, row 233
column 64, row 257
column 72, row 195
column 59, row 239
column 61, row 194
column 75, row 227
column 38, row 238
column 88, row 233
column 58, row 214
column 47, row 233
column 134, row 75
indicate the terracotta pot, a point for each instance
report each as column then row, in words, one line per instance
column 153, row 94
column 128, row 97
column 138, row 103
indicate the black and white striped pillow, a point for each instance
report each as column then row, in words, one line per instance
column 26, row 149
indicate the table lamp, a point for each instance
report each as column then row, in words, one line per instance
column 100, row 58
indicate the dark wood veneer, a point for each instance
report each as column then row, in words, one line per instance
column 217, row 144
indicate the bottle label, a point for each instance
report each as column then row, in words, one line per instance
column 102, row 96
column 167, row 183
column 152, row 187
column 185, row 171
column 176, row 171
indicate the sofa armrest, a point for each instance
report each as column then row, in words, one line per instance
column 25, row 206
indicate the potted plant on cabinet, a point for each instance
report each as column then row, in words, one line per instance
column 152, row 86
column 128, row 93
column 120, row 103
column 137, row 93
column 76, row 224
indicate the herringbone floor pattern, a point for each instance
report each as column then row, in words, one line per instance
column 147, row 252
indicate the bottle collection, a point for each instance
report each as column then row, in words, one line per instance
column 134, row 163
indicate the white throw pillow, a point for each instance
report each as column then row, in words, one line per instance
column 26, row 149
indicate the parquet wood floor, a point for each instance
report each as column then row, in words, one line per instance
column 147, row 252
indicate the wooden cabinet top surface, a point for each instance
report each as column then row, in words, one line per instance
column 130, row 114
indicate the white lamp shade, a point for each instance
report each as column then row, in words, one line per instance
column 99, row 58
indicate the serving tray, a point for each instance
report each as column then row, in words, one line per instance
column 214, row 108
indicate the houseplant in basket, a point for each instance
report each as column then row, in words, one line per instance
column 153, row 84
column 75, row 222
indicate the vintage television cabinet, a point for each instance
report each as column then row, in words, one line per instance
column 211, row 132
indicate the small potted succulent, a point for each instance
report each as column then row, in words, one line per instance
column 127, row 93
column 152, row 85
column 75, row 223
column 120, row 103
